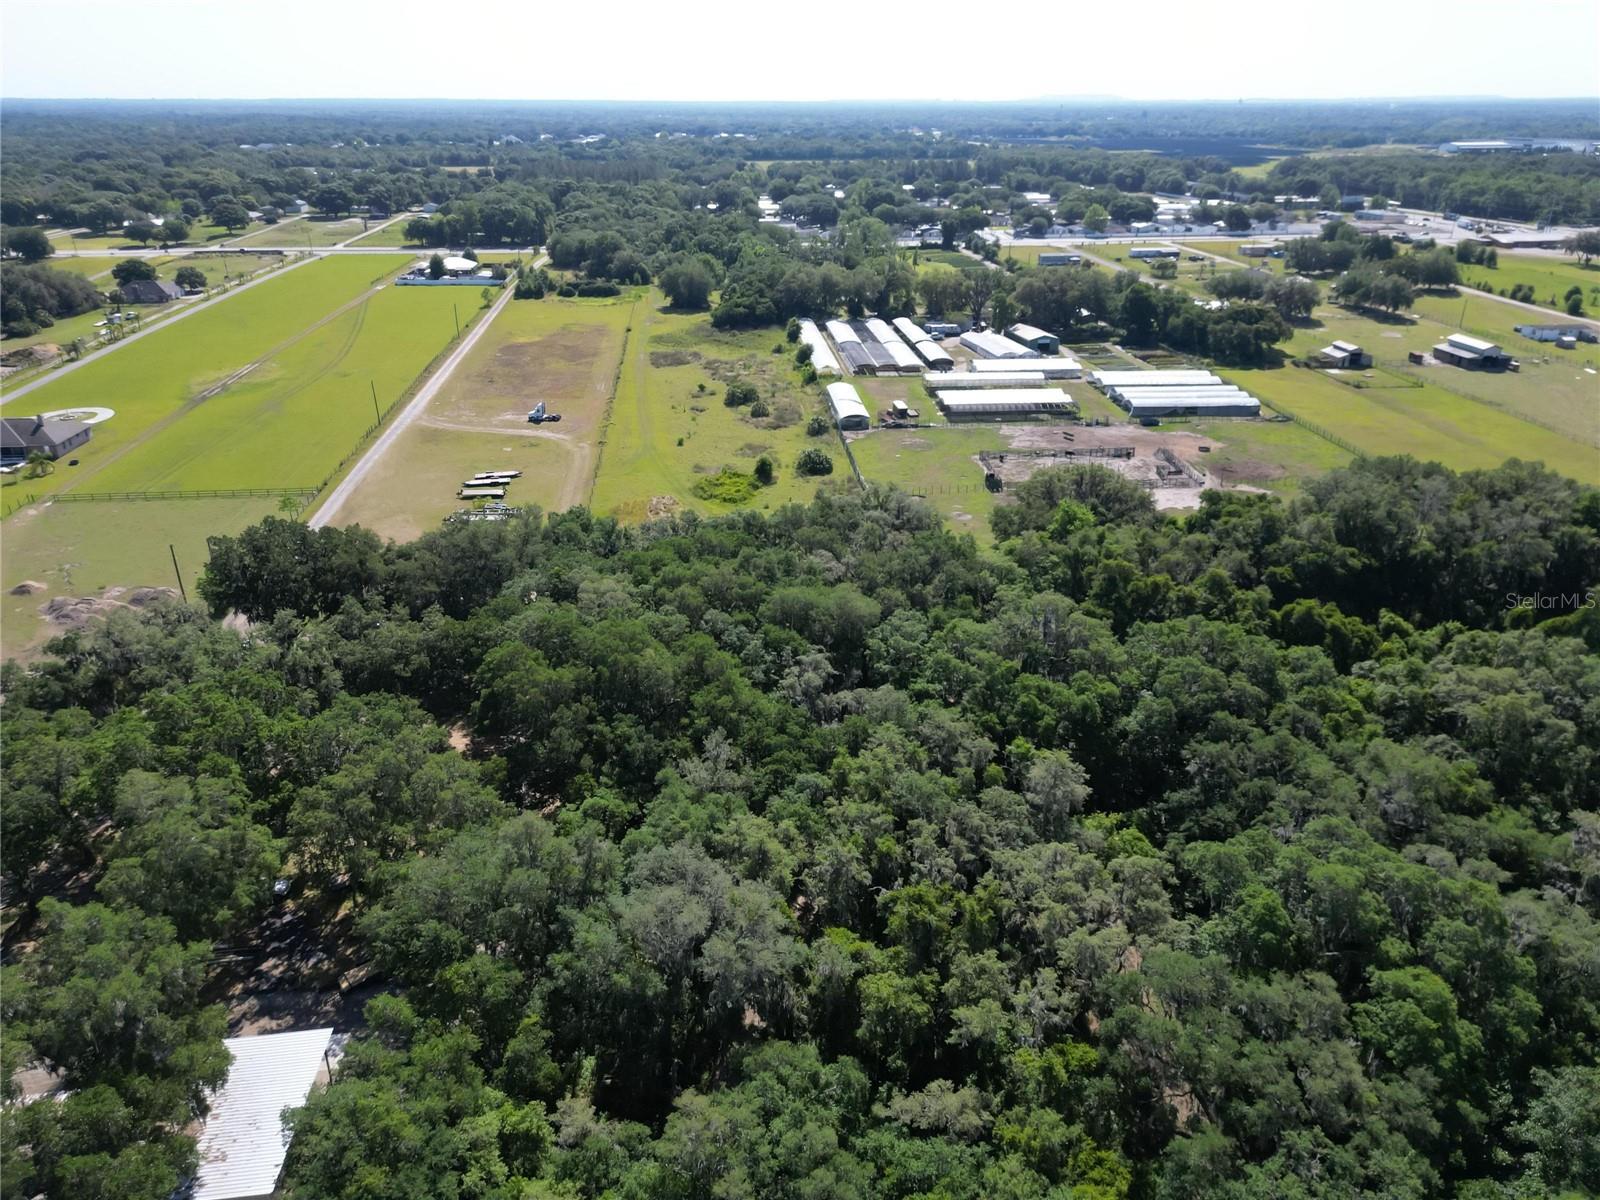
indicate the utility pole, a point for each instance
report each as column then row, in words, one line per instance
column 456, row 309
column 182, row 591
column 376, row 415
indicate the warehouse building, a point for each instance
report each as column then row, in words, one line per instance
column 1160, row 402
column 1472, row 354
column 1153, row 252
column 1060, row 367
column 904, row 360
column 1034, row 338
column 848, row 411
column 927, row 349
column 998, row 402
column 1060, row 260
column 1021, row 375
column 1107, row 381
column 993, row 345
column 851, row 350
column 823, row 360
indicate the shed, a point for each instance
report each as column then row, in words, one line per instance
column 1059, row 367
column 1034, row 338
column 848, row 411
column 1344, row 354
column 458, row 265
column 244, row 1142
column 1020, row 375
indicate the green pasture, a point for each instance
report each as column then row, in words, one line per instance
column 218, row 269
column 291, row 420
column 91, row 267
column 1276, row 455
column 1551, row 390
column 78, row 549
column 1549, row 277
column 391, row 235
column 303, row 233
column 1428, row 422
column 940, row 464
column 669, row 427
column 150, row 381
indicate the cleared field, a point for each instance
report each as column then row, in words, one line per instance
column 945, row 258
column 390, row 235
column 669, row 428
column 415, row 488
column 564, row 352
column 152, row 381
column 1549, row 277
column 1275, row 455
column 199, row 234
column 80, row 549
column 305, row 233
column 940, row 464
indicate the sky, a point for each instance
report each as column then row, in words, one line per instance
column 744, row 50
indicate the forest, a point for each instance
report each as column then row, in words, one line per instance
column 1248, row 854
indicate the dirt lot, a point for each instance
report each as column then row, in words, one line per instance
column 1141, row 466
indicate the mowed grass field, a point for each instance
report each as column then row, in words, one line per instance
column 219, row 269
column 152, row 380
column 1549, row 277
column 564, row 352
column 291, row 420
column 666, row 433
column 390, row 235
column 303, row 232
column 80, row 549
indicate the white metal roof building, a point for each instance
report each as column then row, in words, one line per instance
column 999, row 401
column 905, row 360
column 242, row 1147
column 850, row 348
column 1020, row 375
column 1051, row 368
column 822, row 356
column 922, row 342
column 1179, row 402
column 848, row 411
column 1109, row 380
column 994, row 345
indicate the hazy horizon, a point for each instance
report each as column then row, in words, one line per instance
column 727, row 53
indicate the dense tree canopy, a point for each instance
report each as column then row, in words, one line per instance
column 821, row 854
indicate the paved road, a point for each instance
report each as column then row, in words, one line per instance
column 68, row 368
column 419, row 403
